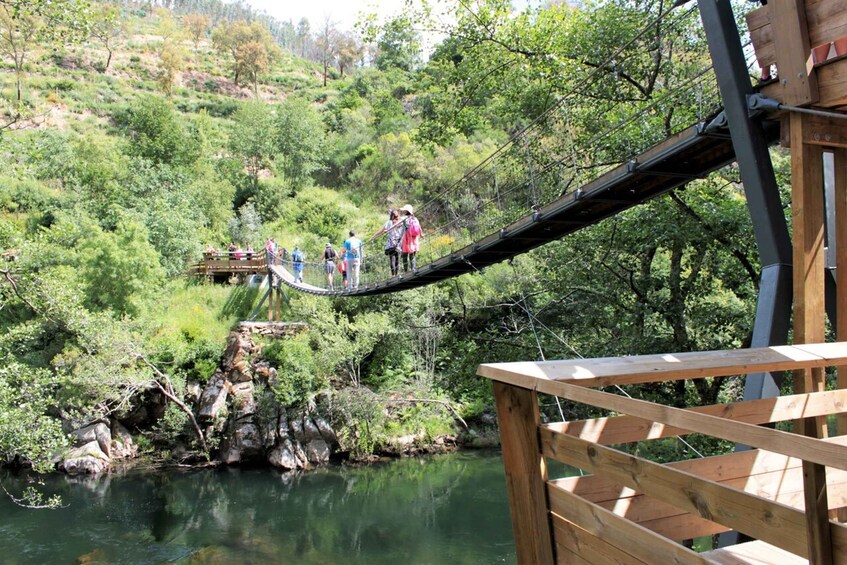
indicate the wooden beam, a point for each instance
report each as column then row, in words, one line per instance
column 526, row 472
column 793, row 52
column 823, row 131
column 635, row 540
column 772, row 522
column 607, row 371
column 832, row 84
column 625, row 429
column 807, row 211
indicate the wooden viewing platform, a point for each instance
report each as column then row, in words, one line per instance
column 632, row 510
column 227, row 264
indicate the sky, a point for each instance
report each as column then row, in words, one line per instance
column 343, row 13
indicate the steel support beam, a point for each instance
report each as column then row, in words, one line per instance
column 773, row 311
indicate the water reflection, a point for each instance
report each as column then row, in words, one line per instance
column 438, row 509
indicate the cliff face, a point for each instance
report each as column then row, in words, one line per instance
column 240, row 414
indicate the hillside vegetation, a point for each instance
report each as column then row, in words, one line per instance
column 123, row 159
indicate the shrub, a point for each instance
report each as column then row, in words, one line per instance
column 294, row 362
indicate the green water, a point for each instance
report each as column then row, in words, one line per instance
column 441, row 509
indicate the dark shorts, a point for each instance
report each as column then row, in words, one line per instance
column 329, row 267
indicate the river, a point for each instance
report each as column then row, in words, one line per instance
column 436, row 509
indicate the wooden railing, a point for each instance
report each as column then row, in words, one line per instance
column 229, row 263
column 632, row 510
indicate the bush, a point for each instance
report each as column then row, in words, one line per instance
column 294, row 362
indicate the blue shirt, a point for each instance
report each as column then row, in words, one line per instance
column 350, row 245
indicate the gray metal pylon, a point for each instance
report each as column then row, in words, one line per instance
column 773, row 311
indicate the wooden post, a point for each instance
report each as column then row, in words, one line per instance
column 271, row 304
column 809, row 317
column 793, row 52
column 526, row 472
column 840, row 166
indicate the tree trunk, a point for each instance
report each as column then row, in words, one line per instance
column 108, row 61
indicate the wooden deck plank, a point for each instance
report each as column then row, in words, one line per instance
column 753, row 553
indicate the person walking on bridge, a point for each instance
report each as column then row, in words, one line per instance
column 392, row 242
column 297, row 259
column 329, row 265
column 410, row 238
column 353, row 254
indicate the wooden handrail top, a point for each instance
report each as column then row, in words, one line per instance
column 605, row 371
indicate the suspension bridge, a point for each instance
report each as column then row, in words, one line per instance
column 785, row 490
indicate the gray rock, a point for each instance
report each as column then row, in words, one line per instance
column 295, row 428
column 327, row 433
column 98, row 432
column 231, row 456
column 87, row 459
column 123, row 447
column 310, row 430
column 243, row 402
column 282, row 425
column 317, row 452
column 282, row 456
column 213, row 399
column 247, row 441
column 300, row 454
column 193, row 391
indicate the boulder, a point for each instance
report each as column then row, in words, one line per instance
column 243, row 445
column 193, row 390
column 282, row 456
column 300, row 454
column 327, row 433
column 98, row 432
column 122, row 445
column 317, row 452
column 243, row 402
column 310, row 430
column 295, row 428
column 87, row 459
column 282, row 425
column 213, row 399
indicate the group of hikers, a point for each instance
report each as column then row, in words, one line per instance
column 402, row 234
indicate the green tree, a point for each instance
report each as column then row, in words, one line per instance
column 250, row 138
column 121, row 269
column 299, row 138
column 398, row 45
column 250, row 47
column 108, row 27
column 158, row 133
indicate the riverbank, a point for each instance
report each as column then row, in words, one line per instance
column 260, row 408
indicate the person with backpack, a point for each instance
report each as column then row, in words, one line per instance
column 297, row 259
column 353, row 255
column 410, row 238
column 392, row 242
column 329, row 265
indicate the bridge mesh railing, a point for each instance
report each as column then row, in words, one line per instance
column 562, row 150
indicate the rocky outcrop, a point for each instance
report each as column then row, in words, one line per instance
column 95, row 447
column 238, row 405
column 87, row 459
